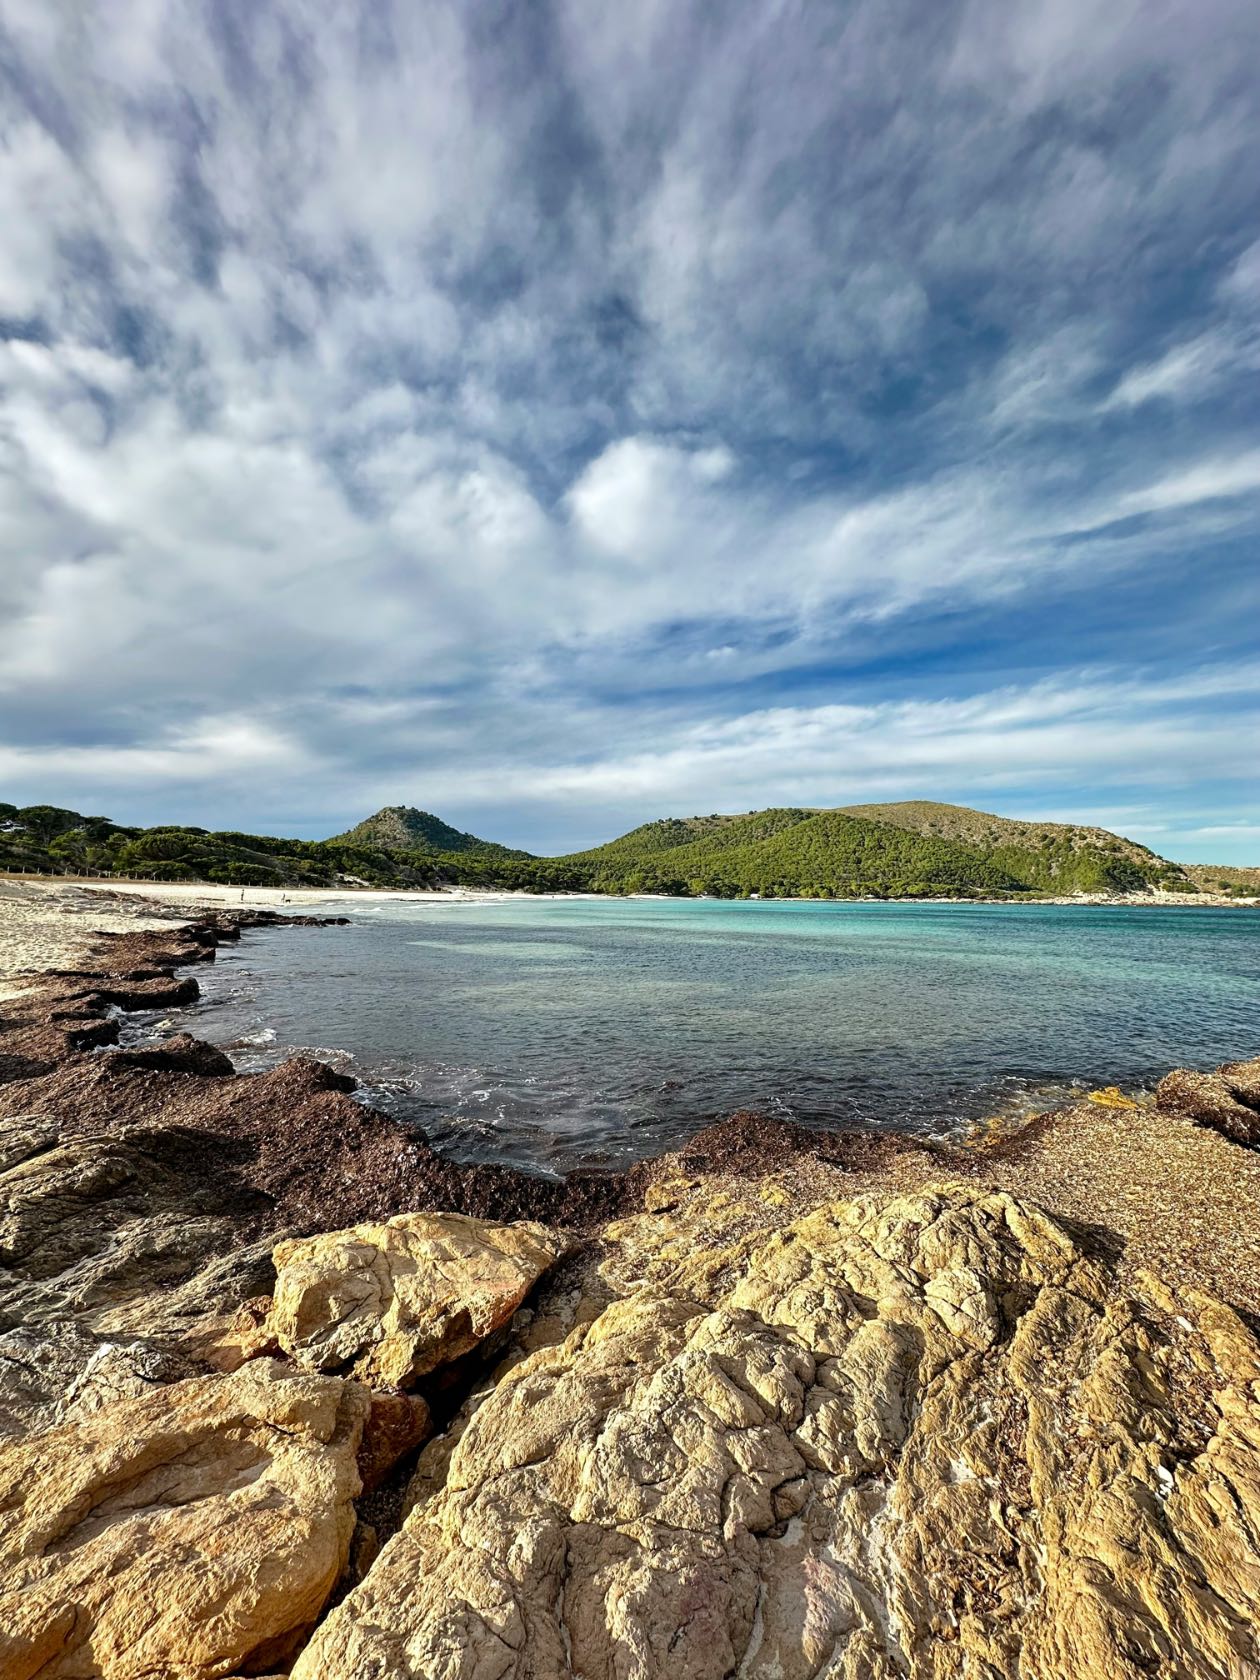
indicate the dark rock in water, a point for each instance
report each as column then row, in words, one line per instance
column 181, row 1053
column 92, row 1035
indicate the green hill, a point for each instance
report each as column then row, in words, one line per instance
column 48, row 839
column 790, row 854
column 401, row 828
column 915, row 849
column 715, row 833
column 1044, row 856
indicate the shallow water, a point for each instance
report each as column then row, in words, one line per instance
column 558, row 1032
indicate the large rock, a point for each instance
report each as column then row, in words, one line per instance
column 1228, row 1100
column 927, row 1436
column 181, row 1535
column 397, row 1299
column 130, row 1239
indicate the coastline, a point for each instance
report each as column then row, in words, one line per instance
column 773, row 1347
column 198, row 895
column 1106, row 1165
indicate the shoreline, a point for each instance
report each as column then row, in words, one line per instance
column 204, row 894
column 1120, row 1144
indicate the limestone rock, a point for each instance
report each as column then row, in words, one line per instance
column 397, row 1299
column 184, row 1534
column 927, row 1436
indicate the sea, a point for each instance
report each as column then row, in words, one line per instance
column 559, row 1032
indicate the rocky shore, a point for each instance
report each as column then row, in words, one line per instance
column 283, row 1391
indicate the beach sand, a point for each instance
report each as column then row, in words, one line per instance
column 48, row 924
column 45, row 925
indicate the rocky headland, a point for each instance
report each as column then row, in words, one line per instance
column 283, row 1391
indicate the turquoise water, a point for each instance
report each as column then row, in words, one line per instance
column 559, row 1032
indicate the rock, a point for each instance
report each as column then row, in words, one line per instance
column 181, row 1053
column 186, row 1533
column 50, row 1373
column 396, row 1425
column 226, row 1342
column 924, row 1436
column 1243, row 1079
column 396, row 1300
column 1228, row 1101
column 132, row 1237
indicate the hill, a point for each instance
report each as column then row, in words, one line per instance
column 1230, row 881
column 49, row 839
column 401, row 828
column 790, row 853
column 1043, row 856
column 914, row 848
column 716, row 833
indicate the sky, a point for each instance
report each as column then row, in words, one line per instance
column 562, row 413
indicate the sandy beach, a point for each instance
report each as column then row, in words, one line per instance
column 48, row 924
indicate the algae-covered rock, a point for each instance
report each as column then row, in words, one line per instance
column 1228, row 1100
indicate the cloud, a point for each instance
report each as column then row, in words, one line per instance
column 1205, row 481
column 1035, row 737
column 487, row 385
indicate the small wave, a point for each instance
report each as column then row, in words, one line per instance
column 264, row 1035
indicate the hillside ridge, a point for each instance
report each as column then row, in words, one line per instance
column 909, row 849
column 915, row 847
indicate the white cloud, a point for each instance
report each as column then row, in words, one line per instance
column 1015, row 742
column 228, row 749
column 386, row 356
column 1185, row 370
column 1206, row 481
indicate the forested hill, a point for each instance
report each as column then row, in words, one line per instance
column 401, row 828
column 790, row 854
column 1046, row 856
column 918, row 849
column 912, row 849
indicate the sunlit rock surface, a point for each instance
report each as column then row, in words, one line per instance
column 395, row 1300
column 186, row 1533
column 923, row 1435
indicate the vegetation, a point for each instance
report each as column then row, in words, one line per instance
column 1043, row 857
column 1228, row 880
column 918, row 849
column 791, row 854
column 401, row 828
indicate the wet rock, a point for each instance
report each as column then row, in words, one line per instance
column 181, row 1053
column 187, row 1533
column 921, row 1436
column 395, row 1300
